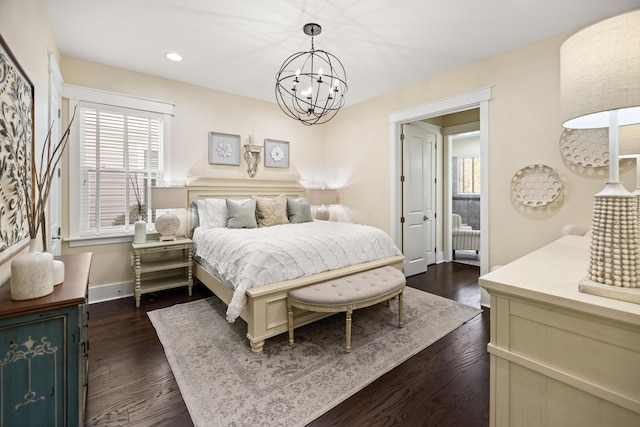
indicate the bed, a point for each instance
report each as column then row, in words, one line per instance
column 264, row 307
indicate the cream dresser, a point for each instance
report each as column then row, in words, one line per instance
column 560, row 357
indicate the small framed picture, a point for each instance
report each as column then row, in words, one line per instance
column 224, row 149
column 276, row 153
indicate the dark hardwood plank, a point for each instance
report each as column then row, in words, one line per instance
column 446, row 384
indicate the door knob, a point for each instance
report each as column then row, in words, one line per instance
column 424, row 218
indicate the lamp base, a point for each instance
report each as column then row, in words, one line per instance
column 614, row 292
column 167, row 225
column 613, row 251
column 323, row 213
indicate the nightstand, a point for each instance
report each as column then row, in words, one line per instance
column 162, row 265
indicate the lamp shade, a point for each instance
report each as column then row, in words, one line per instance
column 323, row 196
column 168, row 197
column 600, row 72
column 629, row 140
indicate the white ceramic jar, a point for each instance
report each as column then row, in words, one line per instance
column 31, row 275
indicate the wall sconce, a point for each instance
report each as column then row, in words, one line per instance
column 252, row 156
column 323, row 197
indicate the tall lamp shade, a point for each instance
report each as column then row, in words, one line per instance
column 599, row 83
column 599, row 69
column 168, row 198
column 600, row 88
column 323, row 197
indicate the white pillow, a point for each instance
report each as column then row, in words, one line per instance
column 202, row 213
column 217, row 215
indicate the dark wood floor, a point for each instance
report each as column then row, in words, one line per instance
column 446, row 384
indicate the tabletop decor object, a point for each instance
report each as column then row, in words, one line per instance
column 31, row 275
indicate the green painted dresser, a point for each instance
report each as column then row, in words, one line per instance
column 44, row 352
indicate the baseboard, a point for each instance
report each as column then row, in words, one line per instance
column 110, row 292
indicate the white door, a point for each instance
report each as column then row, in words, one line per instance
column 55, row 196
column 419, row 201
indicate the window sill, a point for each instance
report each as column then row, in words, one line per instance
column 76, row 242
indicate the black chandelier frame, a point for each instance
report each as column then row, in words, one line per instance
column 310, row 86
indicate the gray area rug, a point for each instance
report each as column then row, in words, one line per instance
column 224, row 384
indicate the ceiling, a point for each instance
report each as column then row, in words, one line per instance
column 237, row 46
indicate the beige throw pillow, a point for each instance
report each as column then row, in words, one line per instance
column 271, row 211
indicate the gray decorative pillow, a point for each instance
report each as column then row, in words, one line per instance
column 299, row 210
column 242, row 213
column 271, row 211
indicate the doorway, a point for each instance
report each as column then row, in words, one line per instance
column 466, row 101
column 462, row 145
column 419, row 191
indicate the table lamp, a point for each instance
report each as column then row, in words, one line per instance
column 323, row 197
column 600, row 88
column 168, row 198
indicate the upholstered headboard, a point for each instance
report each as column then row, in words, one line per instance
column 222, row 188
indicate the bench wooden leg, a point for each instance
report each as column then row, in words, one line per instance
column 290, row 321
column 348, row 331
column 400, row 309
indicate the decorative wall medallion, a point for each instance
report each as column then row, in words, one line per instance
column 276, row 153
column 224, row 149
column 536, row 185
column 585, row 147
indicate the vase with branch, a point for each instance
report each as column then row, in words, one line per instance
column 139, row 227
column 34, row 274
column 35, row 200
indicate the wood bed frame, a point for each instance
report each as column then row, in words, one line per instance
column 266, row 308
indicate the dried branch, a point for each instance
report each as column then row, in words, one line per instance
column 136, row 192
column 50, row 157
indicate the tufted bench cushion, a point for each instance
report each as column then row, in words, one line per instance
column 348, row 293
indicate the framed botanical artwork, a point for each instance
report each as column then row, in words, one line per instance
column 16, row 150
column 276, row 153
column 224, row 149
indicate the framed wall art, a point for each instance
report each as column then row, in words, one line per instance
column 16, row 150
column 276, row 153
column 224, row 149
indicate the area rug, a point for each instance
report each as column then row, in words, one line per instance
column 224, row 384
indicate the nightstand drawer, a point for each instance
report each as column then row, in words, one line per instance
column 165, row 248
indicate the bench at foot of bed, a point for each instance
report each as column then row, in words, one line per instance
column 348, row 293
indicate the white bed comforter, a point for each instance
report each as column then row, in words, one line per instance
column 247, row 258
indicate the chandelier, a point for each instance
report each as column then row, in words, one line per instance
column 310, row 86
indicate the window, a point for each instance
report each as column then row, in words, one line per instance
column 119, row 162
column 469, row 175
column 116, row 156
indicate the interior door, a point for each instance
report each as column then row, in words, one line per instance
column 419, row 198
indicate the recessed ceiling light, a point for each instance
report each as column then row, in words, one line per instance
column 174, row 56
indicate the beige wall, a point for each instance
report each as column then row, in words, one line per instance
column 27, row 31
column 524, row 129
column 353, row 150
column 197, row 112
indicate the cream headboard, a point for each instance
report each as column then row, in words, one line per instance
column 223, row 188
